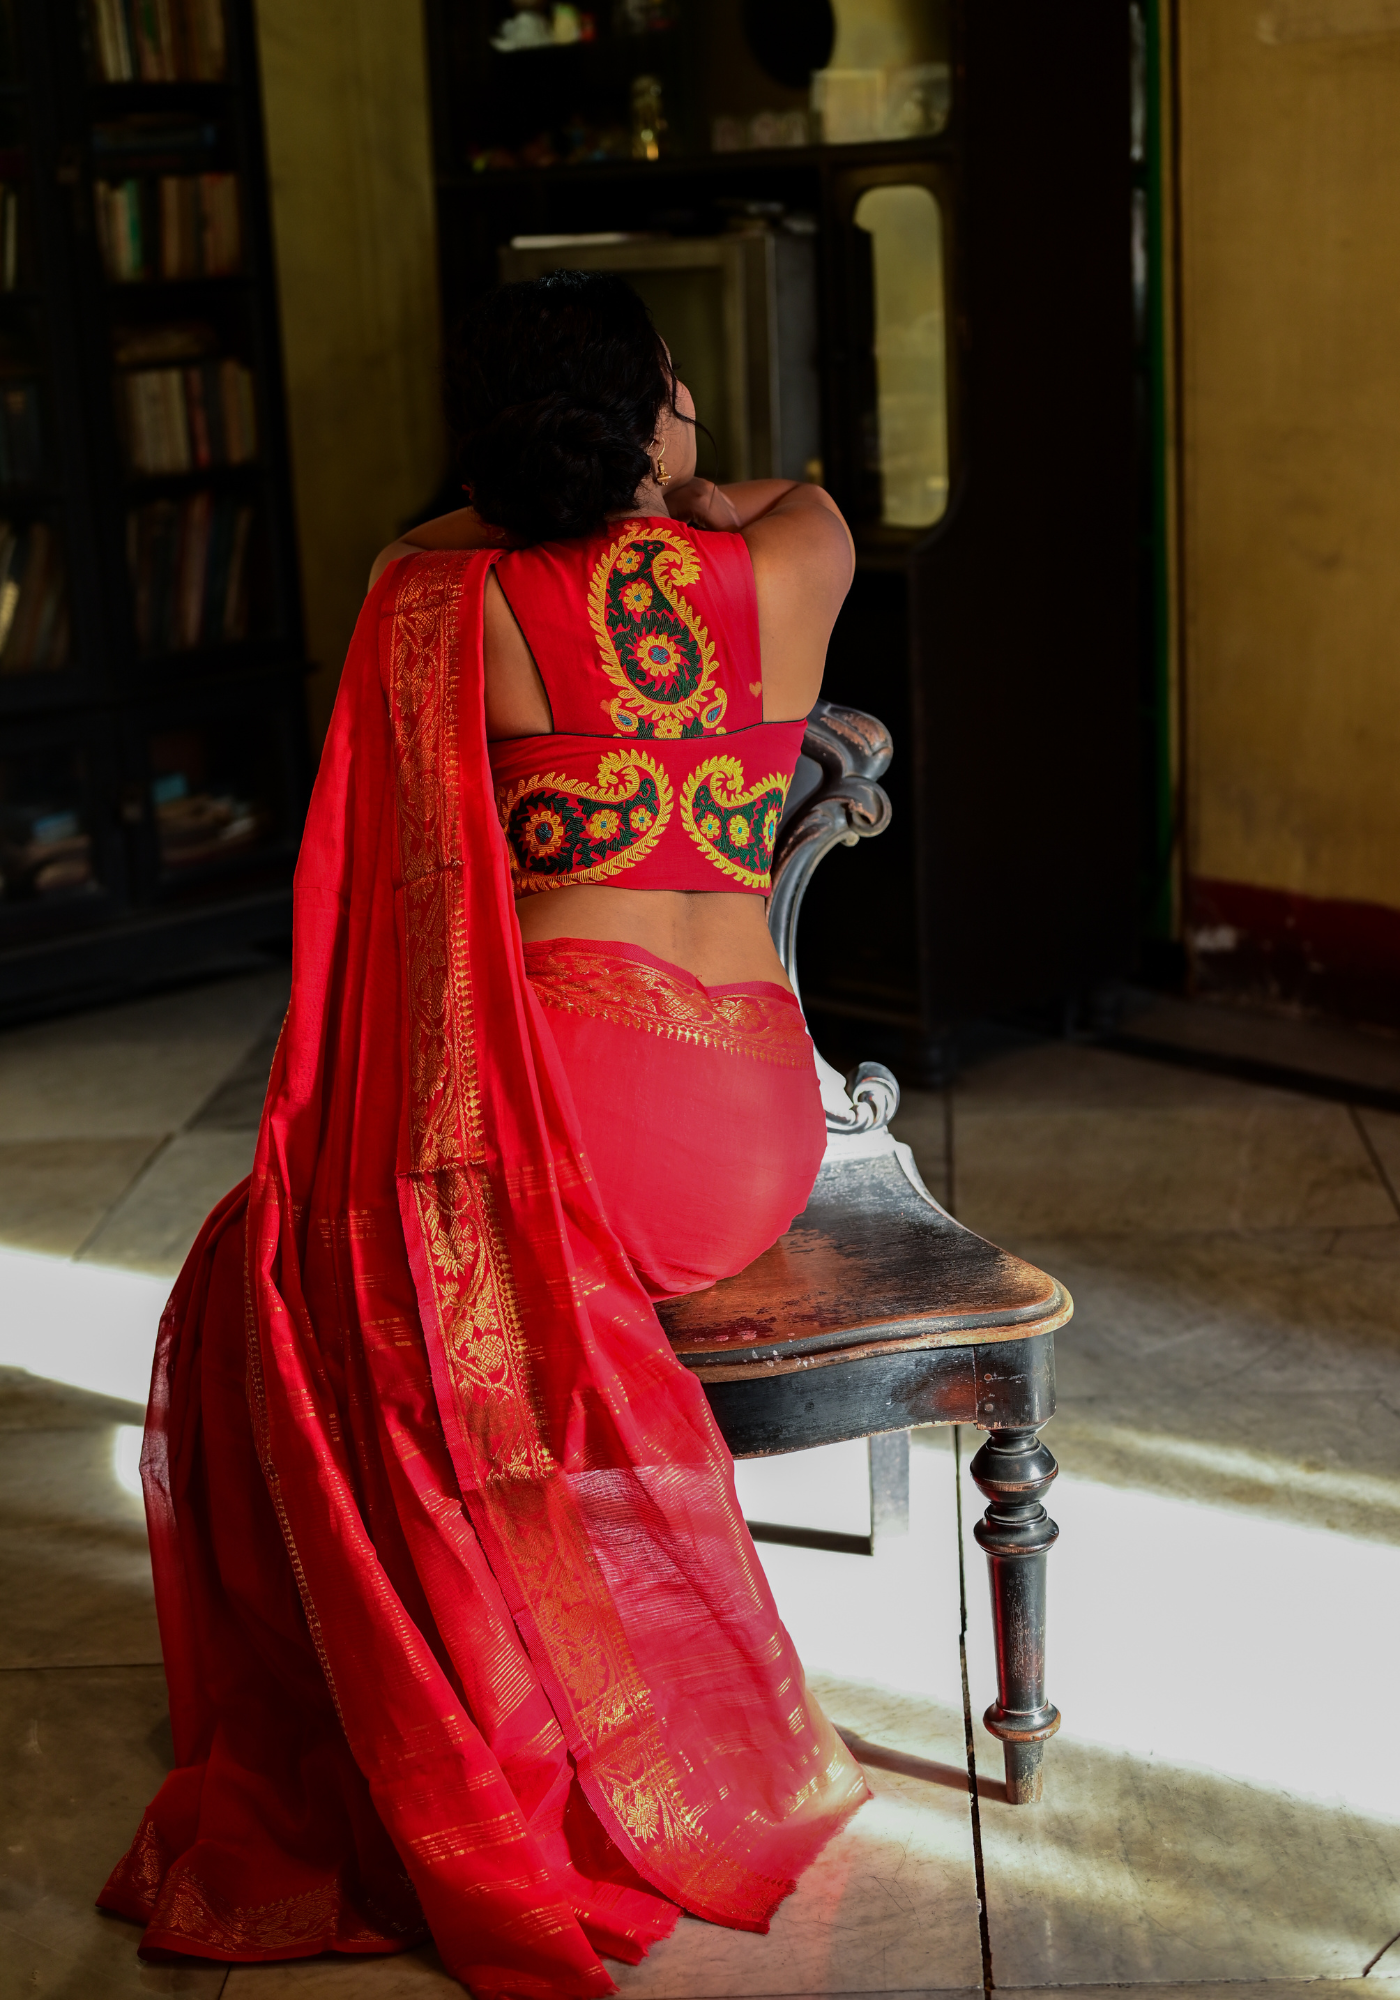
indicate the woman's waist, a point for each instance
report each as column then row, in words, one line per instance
column 639, row 989
column 718, row 938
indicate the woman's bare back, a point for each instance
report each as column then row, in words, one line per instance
column 801, row 556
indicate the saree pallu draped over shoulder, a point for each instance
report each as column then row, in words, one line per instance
column 462, row 1625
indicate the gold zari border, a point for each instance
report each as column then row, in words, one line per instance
column 526, row 1503
column 655, row 1001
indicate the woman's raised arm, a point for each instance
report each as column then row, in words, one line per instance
column 463, row 528
column 803, row 561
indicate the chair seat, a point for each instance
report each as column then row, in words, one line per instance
column 874, row 1312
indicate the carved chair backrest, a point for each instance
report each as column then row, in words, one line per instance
column 835, row 801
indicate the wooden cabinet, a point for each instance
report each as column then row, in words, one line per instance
column 153, row 753
column 969, row 200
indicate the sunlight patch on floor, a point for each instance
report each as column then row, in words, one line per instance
column 126, row 1458
column 1217, row 1640
column 88, row 1326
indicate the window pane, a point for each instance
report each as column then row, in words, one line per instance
column 910, row 352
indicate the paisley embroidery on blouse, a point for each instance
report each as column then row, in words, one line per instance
column 562, row 831
column 652, row 645
column 734, row 828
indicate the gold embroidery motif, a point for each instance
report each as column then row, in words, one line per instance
column 658, row 655
column 735, row 828
column 764, row 1028
column 142, row 1868
column 188, row 1908
column 556, row 842
column 513, row 1484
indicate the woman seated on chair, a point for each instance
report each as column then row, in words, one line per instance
column 463, row 1630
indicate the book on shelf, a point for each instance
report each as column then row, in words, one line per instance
column 154, row 141
column 21, row 443
column 185, row 419
column 9, row 238
column 201, row 825
column 189, row 572
column 33, row 600
column 159, row 41
column 43, row 849
column 170, row 226
column 11, row 47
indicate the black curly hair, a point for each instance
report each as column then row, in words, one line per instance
column 556, row 389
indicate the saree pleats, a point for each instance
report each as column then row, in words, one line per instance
column 698, row 1107
column 462, row 1625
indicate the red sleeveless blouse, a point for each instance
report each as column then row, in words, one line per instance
column 660, row 772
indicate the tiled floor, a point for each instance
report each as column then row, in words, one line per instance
column 1222, row 1806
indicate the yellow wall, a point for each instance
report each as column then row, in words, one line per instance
column 345, row 93
column 1290, row 182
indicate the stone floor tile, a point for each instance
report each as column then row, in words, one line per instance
column 88, row 1326
column 1382, row 1128
column 146, row 1067
column 1245, row 1371
column 1131, row 1871
column 1204, row 1819
column 1211, row 1989
column 1259, row 1166
column 827, row 1488
column 1000, row 1068
column 404, row 1976
column 884, row 1621
column 1213, row 1319
column 75, row 1574
column 236, row 1105
column 152, row 1228
column 55, row 1192
column 1321, row 1461
column 84, row 1750
column 29, row 1403
column 1357, row 1055
column 922, row 1125
column 890, row 1905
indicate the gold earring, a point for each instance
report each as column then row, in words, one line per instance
column 663, row 477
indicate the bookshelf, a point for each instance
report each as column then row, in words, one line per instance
column 154, row 763
column 991, row 623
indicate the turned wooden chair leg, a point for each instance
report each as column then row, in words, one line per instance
column 1013, row 1469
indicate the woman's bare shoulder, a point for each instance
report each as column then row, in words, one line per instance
column 803, row 561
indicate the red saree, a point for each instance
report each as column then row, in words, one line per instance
column 463, row 1630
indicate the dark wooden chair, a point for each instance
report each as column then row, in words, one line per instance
column 877, row 1311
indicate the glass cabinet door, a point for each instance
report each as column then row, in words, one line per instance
column 34, row 616
column 888, row 76
column 550, row 84
column 60, row 859
column 909, row 435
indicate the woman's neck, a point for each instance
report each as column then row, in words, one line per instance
column 650, row 499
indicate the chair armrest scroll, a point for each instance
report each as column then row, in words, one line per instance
column 853, row 750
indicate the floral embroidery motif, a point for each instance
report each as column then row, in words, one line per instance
column 734, row 828
column 555, row 840
column 653, row 646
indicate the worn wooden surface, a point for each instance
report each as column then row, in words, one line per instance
column 997, row 1384
column 869, row 1268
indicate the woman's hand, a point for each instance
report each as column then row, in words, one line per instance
column 704, row 503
